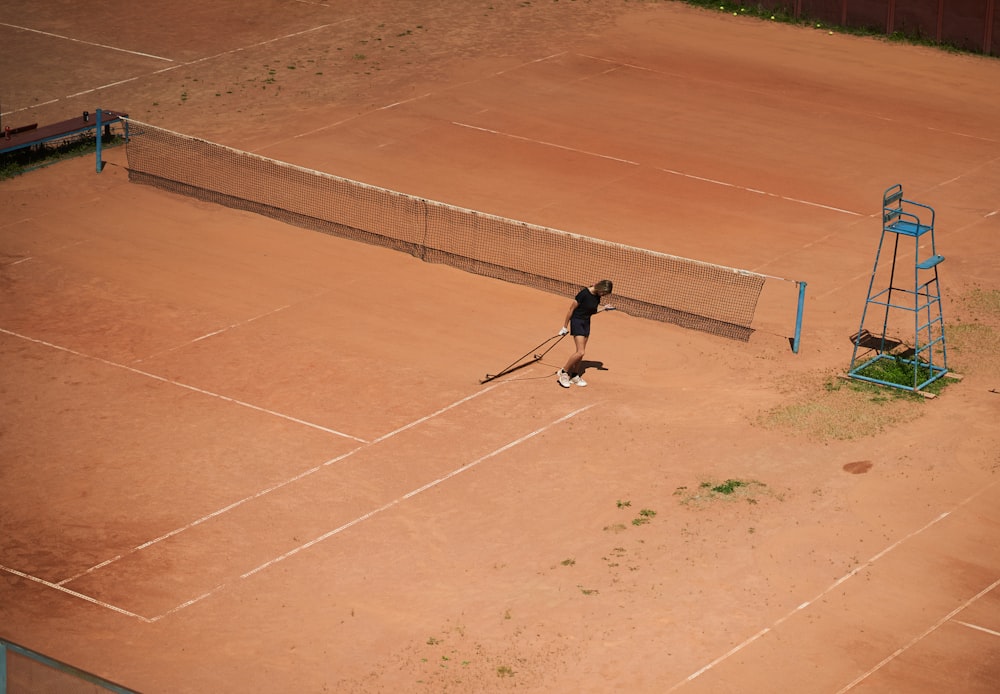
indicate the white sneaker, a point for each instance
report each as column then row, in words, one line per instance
column 563, row 379
column 578, row 381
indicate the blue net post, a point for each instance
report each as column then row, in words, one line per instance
column 798, row 318
column 3, row 668
column 100, row 164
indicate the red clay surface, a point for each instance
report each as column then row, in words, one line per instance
column 240, row 456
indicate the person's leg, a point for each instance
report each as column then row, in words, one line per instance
column 573, row 363
column 580, row 330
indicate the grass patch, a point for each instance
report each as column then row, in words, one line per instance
column 904, row 373
column 730, row 489
column 982, row 301
column 977, row 342
column 828, row 408
column 22, row 161
column 844, row 410
column 729, row 486
column 972, row 338
column 645, row 516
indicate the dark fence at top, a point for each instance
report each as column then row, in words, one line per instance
column 972, row 25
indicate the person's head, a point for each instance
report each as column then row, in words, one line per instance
column 604, row 287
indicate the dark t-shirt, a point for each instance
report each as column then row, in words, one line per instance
column 586, row 304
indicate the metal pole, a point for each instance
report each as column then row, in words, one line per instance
column 98, row 125
column 798, row 318
column 3, row 668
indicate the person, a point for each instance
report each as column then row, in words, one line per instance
column 577, row 323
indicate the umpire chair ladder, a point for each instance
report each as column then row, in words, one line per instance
column 890, row 302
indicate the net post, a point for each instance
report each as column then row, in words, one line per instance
column 798, row 317
column 3, row 668
column 97, row 125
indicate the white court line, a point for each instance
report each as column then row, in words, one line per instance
column 268, row 490
column 175, row 65
column 186, row 386
column 28, row 108
column 833, row 586
column 762, row 192
column 977, row 627
column 380, row 509
column 669, row 171
column 416, row 491
column 782, row 95
column 251, row 46
column 88, row 43
column 61, row 585
column 346, row 120
column 213, row 334
column 974, row 169
column 919, row 638
column 99, row 88
column 543, row 142
column 405, row 101
column 75, row 594
column 530, row 62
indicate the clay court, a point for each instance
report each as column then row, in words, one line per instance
column 240, row 455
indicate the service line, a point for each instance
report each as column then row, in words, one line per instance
column 672, row 172
column 383, row 507
column 268, row 490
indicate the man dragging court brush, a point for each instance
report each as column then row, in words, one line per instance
column 577, row 324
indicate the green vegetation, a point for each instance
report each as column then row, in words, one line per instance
column 505, row 671
column 903, row 372
column 972, row 342
column 844, row 410
column 785, row 16
column 838, row 408
column 30, row 158
column 728, row 487
column 983, row 301
column 732, row 488
column 645, row 516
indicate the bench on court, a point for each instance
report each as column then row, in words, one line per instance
column 33, row 135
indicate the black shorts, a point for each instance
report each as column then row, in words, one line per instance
column 579, row 326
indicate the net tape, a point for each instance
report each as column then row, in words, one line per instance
column 690, row 293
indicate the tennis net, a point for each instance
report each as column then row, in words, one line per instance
column 693, row 294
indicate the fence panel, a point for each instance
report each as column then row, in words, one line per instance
column 972, row 25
